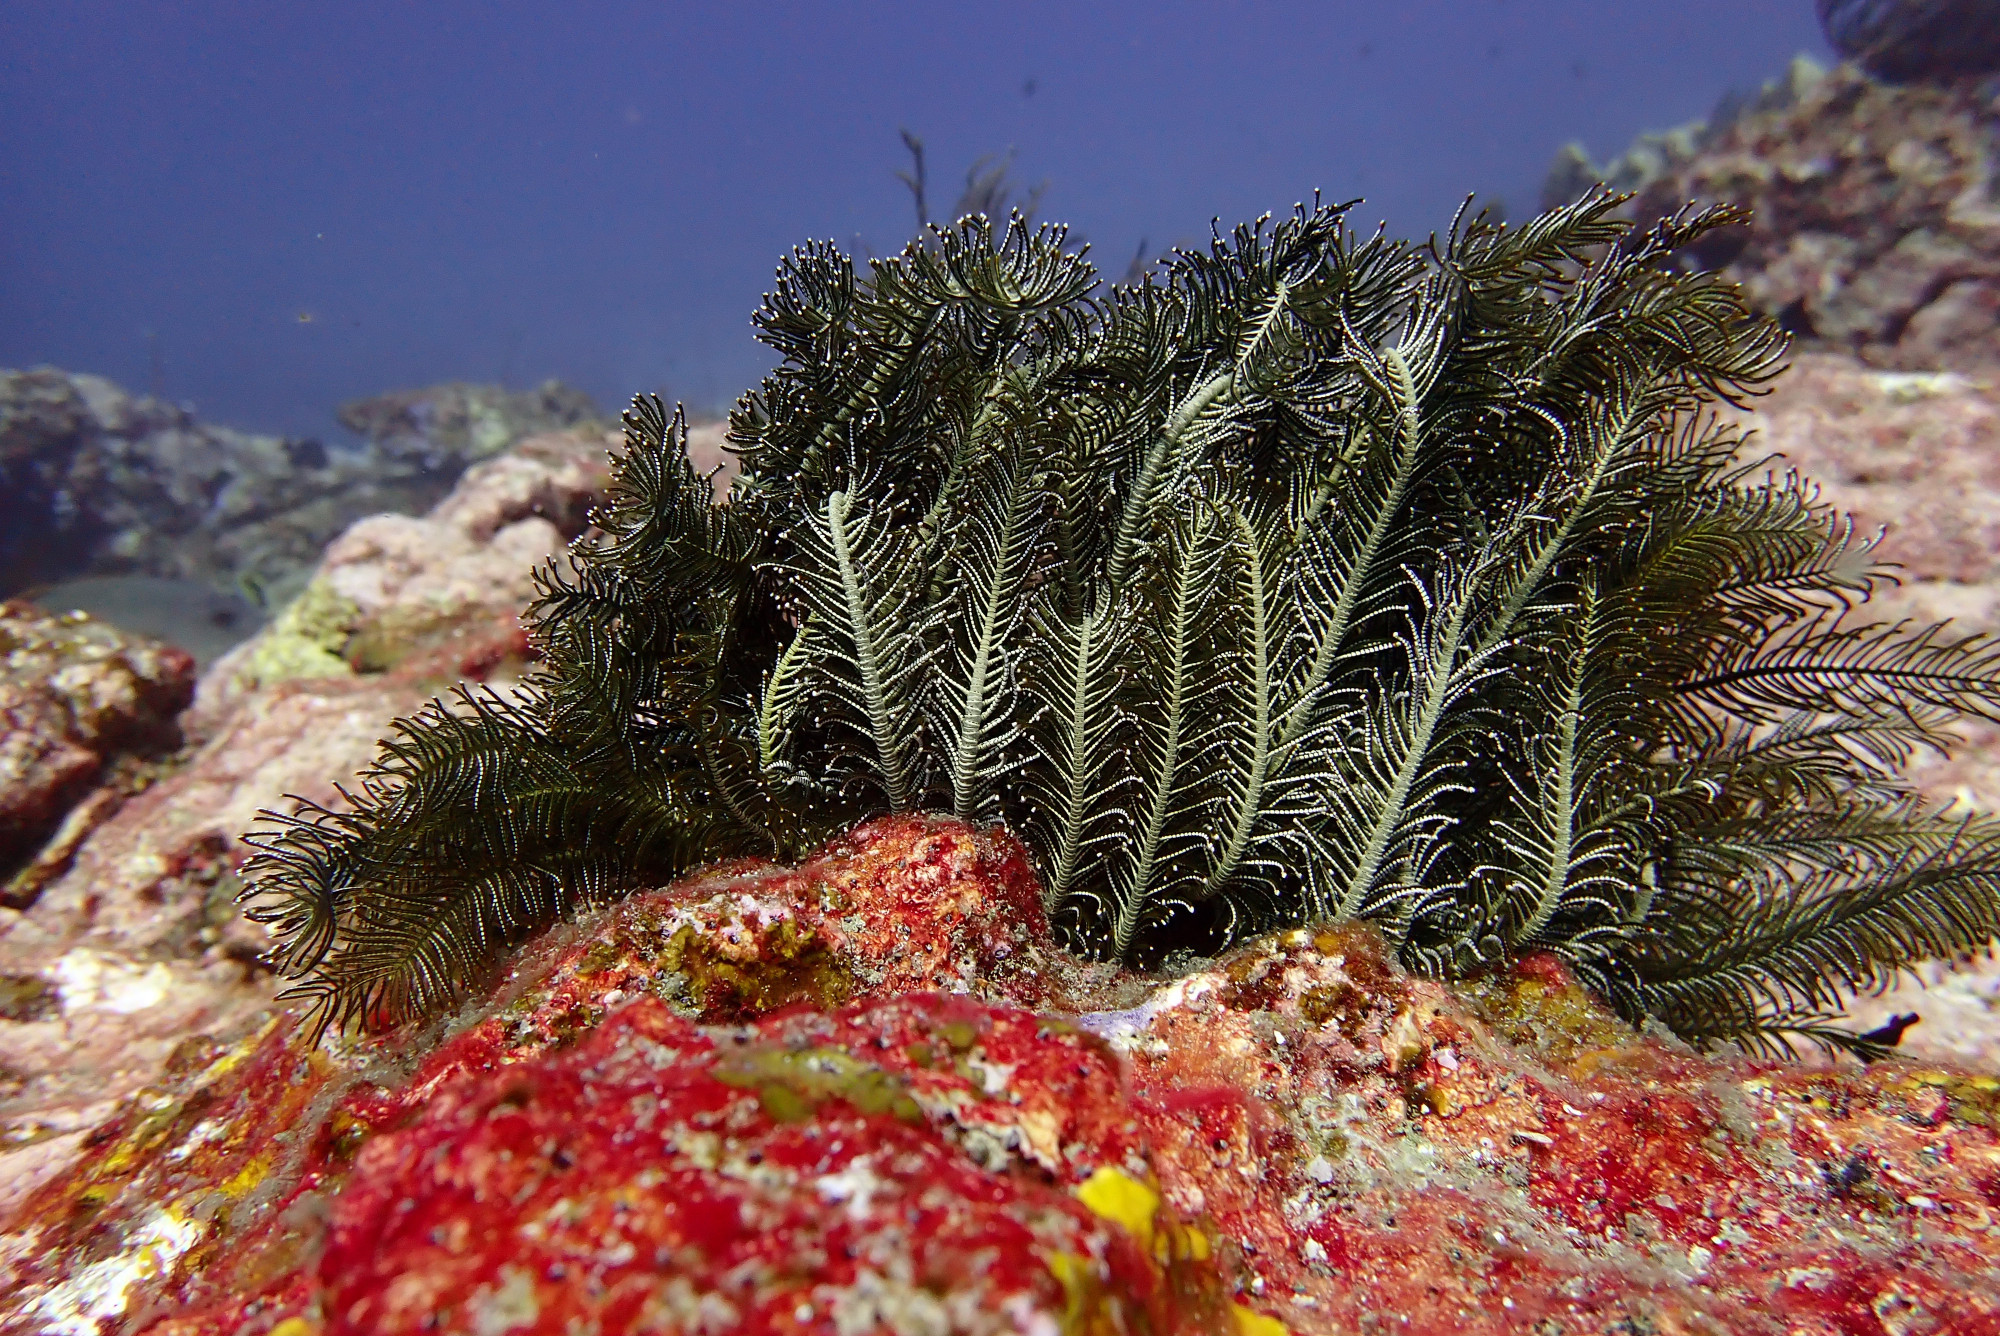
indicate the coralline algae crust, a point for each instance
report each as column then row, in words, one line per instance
column 695, row 1112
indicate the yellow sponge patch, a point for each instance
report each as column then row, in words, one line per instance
column 1122, row 1199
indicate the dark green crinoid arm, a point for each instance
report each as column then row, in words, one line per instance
column 1313, row 577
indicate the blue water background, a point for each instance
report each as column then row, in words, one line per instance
column 263, row 209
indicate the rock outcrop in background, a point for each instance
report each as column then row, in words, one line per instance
column 1877, row 210
column 1904, row 40
column 95, row 481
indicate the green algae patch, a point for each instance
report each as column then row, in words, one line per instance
column 398, row 633
column 28, row 997
column 1339, row 1002
column 791, row 1085
column 603, row 955
column 308, row 639
column 1968, row 1099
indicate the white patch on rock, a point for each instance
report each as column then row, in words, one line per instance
column 1126, row 1031
column 99, row 1292
column 873, row 1301
column 856, row 1185
column 1909, row 387
column 205, row 1131
column 510, row 1306
column 93, row 982
column 993, row 1076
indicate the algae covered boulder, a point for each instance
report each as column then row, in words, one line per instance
column 871, row 1094
column 76, row 698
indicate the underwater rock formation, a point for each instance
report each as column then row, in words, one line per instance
column 1915, row 453
column 97, row 481
column 171, row 1155
column 871, row 1094
column 1654, row 153
column 446, row 427
column 127, row 944
column 1915, row 39
column 395, row 587
column 77, row 697
column 1876, row 210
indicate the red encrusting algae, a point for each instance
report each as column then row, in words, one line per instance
column 869, row 1095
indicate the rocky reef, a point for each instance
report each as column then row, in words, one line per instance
column 1915, row 39
column 83, row 707
column 444, row 428
column 870, row 1095
column 97, row 481
column 120, row 931
column 1876, row 207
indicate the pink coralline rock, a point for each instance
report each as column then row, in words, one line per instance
column 869, row 1095
column 1917, row 454
column 447, row 587
column 709, row 455
column 439, row 593
column 139, row 946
